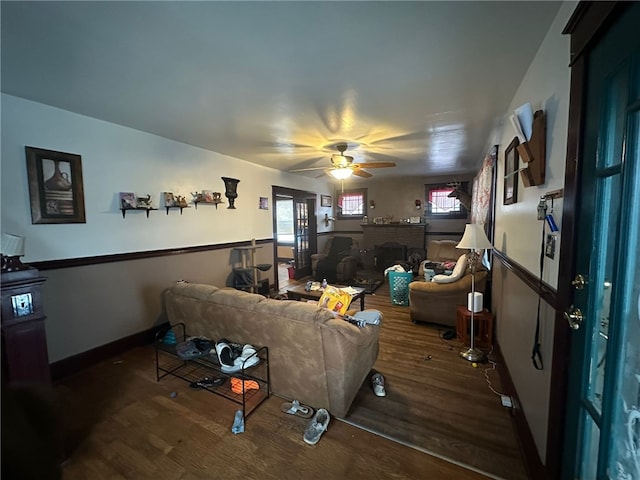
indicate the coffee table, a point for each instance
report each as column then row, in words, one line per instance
column 298, row 292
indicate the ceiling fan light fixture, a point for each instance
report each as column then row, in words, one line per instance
column 341, row 173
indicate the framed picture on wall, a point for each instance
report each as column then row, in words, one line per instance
column 56, row 192
column 511, row 163
column 325, row 200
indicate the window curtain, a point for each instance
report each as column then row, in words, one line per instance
column 482, row 186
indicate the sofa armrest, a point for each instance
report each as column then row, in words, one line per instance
column 349, row 355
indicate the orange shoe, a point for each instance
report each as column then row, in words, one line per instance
column 237, row 385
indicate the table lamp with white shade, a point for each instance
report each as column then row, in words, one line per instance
column 473, row 239
column 12, row 248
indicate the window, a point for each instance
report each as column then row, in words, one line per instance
column 284, row 218
column 352, row 204
column 441, row 205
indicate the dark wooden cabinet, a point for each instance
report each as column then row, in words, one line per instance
column 25, row 359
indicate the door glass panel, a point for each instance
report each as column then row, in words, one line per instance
column 302, row 234
column 603, row 256
column 590, row 444
column 624, row 460
column 614, row 114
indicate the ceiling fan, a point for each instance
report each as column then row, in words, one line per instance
column 342, row 166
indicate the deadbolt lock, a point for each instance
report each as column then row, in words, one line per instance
column 579, row 282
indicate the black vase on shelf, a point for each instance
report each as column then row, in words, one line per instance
column 231, row 185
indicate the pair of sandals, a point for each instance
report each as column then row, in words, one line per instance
column 207, row 382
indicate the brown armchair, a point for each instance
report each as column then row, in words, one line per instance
column 336, row 263
column 432, row 302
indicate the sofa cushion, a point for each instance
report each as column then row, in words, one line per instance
column 458, row 271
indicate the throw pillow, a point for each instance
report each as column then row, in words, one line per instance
column 458, row 271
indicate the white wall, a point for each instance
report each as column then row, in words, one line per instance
column 518, row 232
column 115, row 159
column 546, row 87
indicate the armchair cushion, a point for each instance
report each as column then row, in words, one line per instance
column 432, row 302
column 458, row 271
column 336, row 263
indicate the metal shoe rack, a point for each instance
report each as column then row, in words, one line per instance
column 208, row 366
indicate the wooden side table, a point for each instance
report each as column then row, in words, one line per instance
column 482, row 326
column 24, row 342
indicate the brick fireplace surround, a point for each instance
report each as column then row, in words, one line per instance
column 393, row 242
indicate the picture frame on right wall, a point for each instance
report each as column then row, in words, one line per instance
column 511, row 163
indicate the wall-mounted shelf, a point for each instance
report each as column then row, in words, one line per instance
column 177, row 206
column 125, row 210
column 216, row 203
column 533, row 153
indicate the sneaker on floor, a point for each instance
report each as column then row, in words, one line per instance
column 377, row 381
column 317, row 427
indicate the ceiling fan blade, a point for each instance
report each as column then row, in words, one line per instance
column 306, row 169
column 376, row 164
column 361, row 173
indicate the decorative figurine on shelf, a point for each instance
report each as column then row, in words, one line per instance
column 181, row 201
column 144, row 202
column 231, row 193
column 198, row 197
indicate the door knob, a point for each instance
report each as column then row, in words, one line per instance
column 574, row 317
column 579, row 282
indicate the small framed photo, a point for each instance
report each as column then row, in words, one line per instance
column 55, row 186
column 325, row 200
column 128, row 200
column 169, row 199
column 511, row 164
column 264, row 203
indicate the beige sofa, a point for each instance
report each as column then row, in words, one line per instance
column 314, row 357
column 431, row 302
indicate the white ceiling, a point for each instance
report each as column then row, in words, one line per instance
column 423, row 84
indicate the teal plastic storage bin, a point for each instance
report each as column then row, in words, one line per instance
column 399, row 287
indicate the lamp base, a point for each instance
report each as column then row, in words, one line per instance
column 472, row 355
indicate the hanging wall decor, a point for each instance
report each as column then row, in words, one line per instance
column 231, row 186
column 55, row 186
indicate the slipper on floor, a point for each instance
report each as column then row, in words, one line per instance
column 207, row 382
column 295, row 408
column 238, row 386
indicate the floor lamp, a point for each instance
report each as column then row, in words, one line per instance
column 473, row 239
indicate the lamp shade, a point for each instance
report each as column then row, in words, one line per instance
column 12, row 245
column 341, row 173
column 474, row 238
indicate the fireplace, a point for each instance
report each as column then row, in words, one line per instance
column 391, row 243
column 388, row 254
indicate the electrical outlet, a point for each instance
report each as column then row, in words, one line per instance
column 506, row 401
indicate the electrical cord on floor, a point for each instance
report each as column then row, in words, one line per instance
column 486, row 374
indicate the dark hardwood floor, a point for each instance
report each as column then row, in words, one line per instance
column 436, row 401
column 119, row 423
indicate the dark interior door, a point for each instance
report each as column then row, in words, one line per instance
column 603, row 428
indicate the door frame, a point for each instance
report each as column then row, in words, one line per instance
column 311, row 198
column 587, row 24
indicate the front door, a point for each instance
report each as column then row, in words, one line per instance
column 603, row 407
